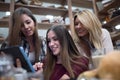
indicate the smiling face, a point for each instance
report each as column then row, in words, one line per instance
column 79, row 28
column 28, row 25
column 53, row 43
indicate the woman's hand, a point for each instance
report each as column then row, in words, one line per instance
column 65, row 77
column 38, row 66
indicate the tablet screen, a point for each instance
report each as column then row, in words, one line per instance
column 18, row 52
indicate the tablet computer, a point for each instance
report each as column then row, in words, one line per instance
column 18, row 52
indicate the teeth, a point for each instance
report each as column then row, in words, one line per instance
column 80, row 30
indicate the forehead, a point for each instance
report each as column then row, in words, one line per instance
column 77, row 19
column 51, row 34
column 24, row 16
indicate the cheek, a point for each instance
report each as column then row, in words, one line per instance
column 48, row 45
column 85, row 32
column 59, row 48
column 33, row 27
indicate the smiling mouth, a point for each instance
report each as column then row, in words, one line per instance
column 54, row 49
column 28, row 31
column 80, row 31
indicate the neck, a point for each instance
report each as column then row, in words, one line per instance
column 58, row 59
column 29, row 39
column 86, row 37
column 30, row 42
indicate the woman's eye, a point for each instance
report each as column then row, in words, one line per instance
column 55, row 39
column 28, row 22
column 76, row 24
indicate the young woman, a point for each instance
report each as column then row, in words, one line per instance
column 23, row 32
column 63, row 60
column 89, row 34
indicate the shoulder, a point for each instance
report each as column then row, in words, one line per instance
column 82, row 61
column 104, row 31
column 81, row 65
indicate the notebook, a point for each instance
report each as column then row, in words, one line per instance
column 18, row 52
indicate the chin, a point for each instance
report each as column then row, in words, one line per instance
column 29, row 35
column 55, row 54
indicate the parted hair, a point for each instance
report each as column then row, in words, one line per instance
column 92, row 24
column 68, row 51
column 15, row 34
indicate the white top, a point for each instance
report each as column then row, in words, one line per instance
column 106, row 40
column 31, row 56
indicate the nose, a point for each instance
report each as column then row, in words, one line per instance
column 78, row 25
column 51, row 43
column 25, row 26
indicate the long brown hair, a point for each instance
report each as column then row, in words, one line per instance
column 15, row 34
column 68, row 51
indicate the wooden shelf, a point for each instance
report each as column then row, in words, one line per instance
column 47, row 25
column 82, row 3
column 40, row 10
column 114, row 4
column 4, row 6
column 77, row 3
column 113, row 22
column 4, row 23
column 1, row 39
column 115, row 36
column 103, row 14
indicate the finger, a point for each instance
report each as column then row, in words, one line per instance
column 18, row 63
column 35, row 67
column 40, row 65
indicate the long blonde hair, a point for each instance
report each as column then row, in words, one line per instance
column 92, row 25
